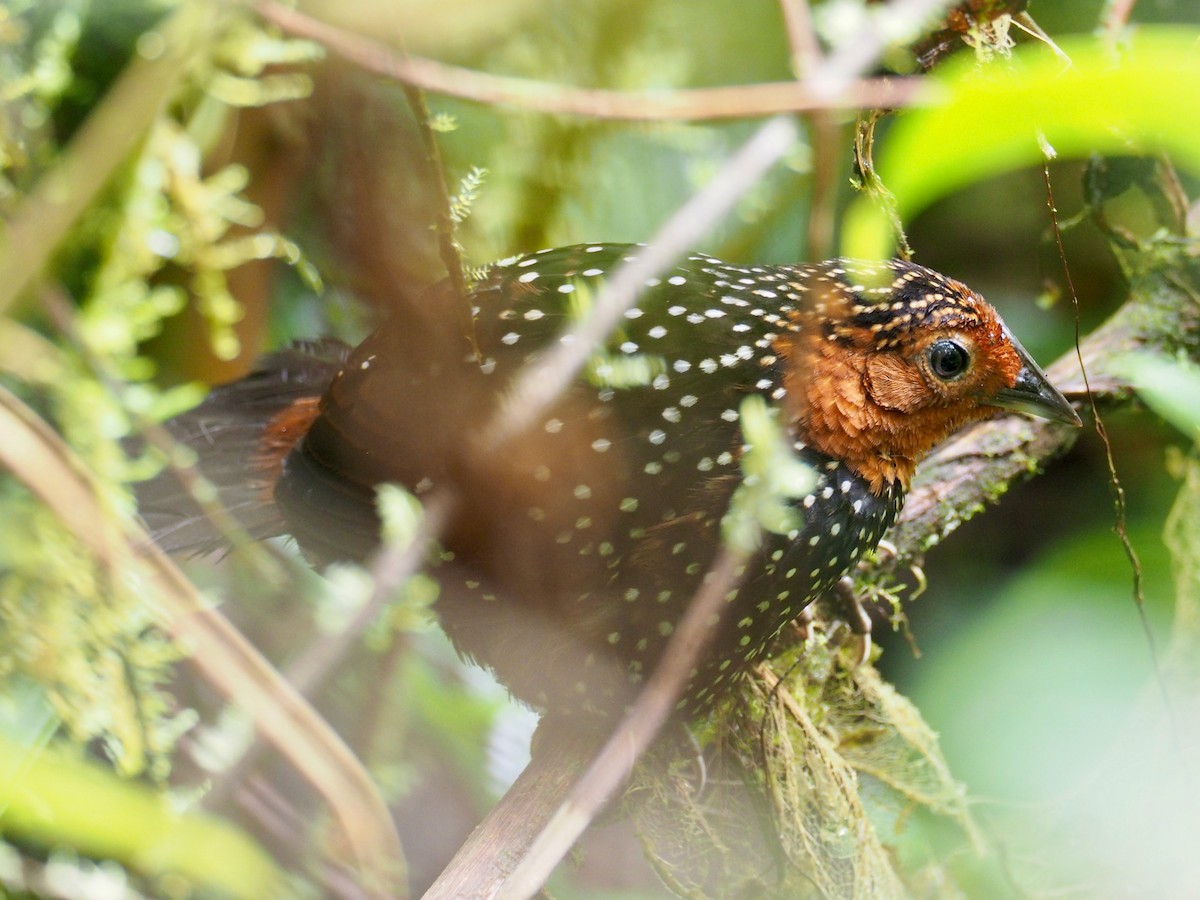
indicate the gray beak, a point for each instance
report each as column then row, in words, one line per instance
column 1034, row 394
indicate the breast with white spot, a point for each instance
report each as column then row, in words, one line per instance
column 671, row 379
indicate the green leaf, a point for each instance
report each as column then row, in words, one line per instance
column 1142, row 97
column 1171, row 387
column 773, row 476
column 50, row 799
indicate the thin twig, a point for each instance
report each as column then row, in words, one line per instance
column 740, row 101
column 823, row 132
column 802, row 37
column 1116, row 16
column 389, row 567
column 1120, row 525
column 447, row 244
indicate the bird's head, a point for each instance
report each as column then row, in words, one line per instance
column 886, row 360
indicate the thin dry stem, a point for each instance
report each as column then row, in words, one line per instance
column 741, row 101
column 806, row 49
column 539, row 384
column 1116, row 16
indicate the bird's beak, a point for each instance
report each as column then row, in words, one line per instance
column 1033, row 393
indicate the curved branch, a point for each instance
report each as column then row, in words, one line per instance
column 737, row 101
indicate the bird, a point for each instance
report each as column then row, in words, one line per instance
column 575, row 547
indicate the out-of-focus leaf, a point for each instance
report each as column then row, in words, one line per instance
column 49, row 799
column 1144, row 97
column 1171, row 387
column 773, row 477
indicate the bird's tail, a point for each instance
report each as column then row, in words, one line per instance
column 240, row 435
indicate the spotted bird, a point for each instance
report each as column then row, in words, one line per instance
column 575, row 548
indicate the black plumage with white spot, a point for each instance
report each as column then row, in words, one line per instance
column 576, row 546
column 625, row 537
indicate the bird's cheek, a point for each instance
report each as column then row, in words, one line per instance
column 895, row 384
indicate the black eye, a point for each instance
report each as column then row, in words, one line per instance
column 947, row 359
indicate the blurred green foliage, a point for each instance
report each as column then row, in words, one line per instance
column 1033, row 652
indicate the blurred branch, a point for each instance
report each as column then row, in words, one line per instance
column 48, row 468
column 389, row 567
column 447, row 244
column 742, row 101
column 823, row 132
column 611, row 767
column 1116, row 16
column 540, row 384
column 806, row 49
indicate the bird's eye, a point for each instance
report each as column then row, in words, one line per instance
column 948, row 359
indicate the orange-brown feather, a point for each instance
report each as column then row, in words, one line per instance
column 282, row 433
column 865, row 395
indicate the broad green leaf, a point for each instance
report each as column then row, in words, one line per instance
column 1143, row 96
column 1171, row 387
